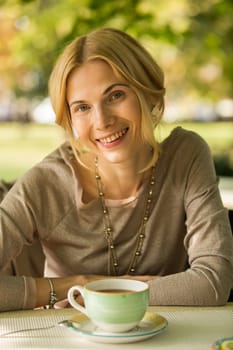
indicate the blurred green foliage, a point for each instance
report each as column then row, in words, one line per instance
column 192, row 40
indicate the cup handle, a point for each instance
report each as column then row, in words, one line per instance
column 72, row 300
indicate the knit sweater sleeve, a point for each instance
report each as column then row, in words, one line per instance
column 24, row 216
column 17, row 229
column 17, row 293
column 208, row 240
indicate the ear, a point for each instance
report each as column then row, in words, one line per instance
column 155, row 110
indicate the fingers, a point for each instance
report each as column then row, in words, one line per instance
column 140, row 278
column 79, row 300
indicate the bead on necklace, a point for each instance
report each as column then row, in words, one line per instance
column 108, row 228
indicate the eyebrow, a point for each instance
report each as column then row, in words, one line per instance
column 109, row 88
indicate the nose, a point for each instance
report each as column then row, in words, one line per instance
column 103, row 117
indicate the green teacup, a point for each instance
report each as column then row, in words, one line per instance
column 114, row 305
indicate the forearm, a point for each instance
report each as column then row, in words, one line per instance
column 17, row 293
column 60, row 286
column 193, row 287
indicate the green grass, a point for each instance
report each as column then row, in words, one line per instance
column 219, row 135
column 23, row 145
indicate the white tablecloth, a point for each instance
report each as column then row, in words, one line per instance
column 194, row 329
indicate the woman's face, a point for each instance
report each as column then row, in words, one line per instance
column 105, row 112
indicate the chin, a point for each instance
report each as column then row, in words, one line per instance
column 116, row 159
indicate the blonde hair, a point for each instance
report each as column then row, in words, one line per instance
column 129, row 59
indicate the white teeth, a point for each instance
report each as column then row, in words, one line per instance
column 113, row 137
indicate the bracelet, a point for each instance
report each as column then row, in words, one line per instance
column 52, row 295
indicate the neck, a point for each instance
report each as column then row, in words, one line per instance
column 120, row 181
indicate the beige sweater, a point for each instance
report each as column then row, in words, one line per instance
column 188, row 237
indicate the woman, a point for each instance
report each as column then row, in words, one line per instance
column 112, row 200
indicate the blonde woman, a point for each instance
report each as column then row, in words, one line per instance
column 112, row 200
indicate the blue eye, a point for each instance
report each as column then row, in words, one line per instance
column 116, row 95
column 82, row 108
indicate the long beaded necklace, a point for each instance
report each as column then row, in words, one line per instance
column 108, row 228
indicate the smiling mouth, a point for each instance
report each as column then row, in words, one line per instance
column 113, row 137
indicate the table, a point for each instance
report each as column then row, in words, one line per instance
column 194, row 328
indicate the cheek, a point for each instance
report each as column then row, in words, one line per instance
column 77, row 126
column 134, row 109
column 82, row 129
column 137, row 111
column 135, row 114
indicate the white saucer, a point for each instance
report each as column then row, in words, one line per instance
column 151, row 324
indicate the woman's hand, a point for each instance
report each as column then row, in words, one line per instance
column 140, row 278
column 62, row 285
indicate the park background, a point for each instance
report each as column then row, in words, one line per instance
column 191, row 40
